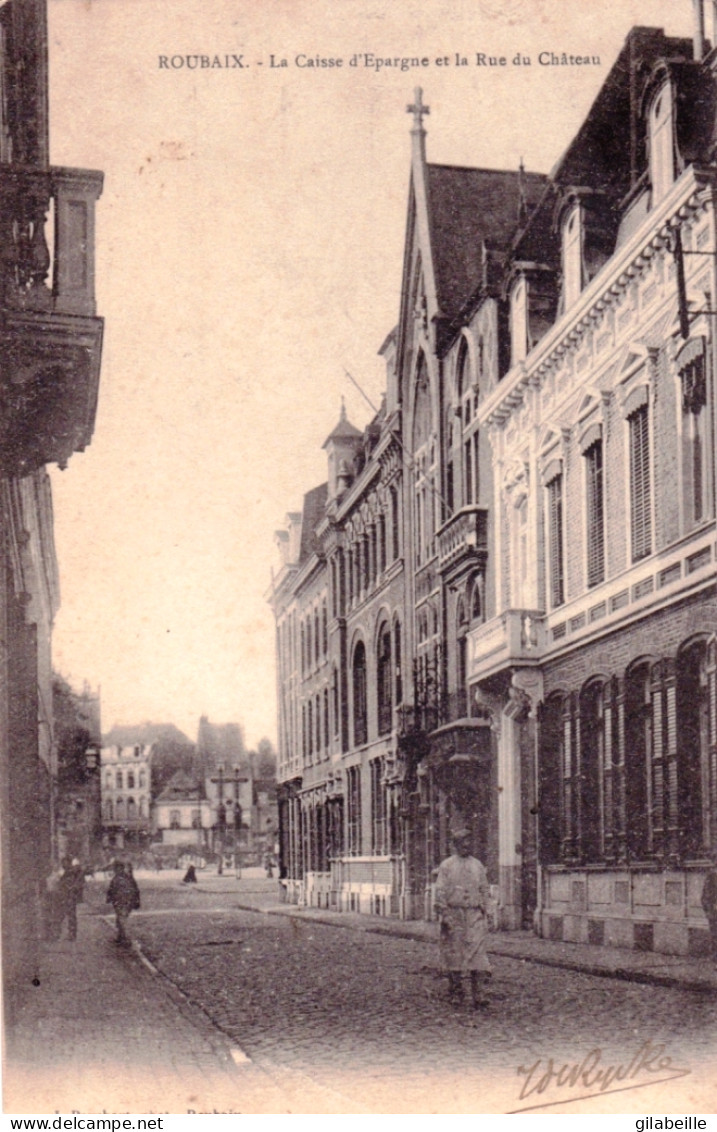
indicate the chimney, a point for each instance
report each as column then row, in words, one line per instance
column 698, row 35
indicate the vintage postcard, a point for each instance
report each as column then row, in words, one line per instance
column 359, row 664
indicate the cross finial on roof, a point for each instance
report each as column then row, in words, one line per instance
column 522, row 195
column 418, row 109
column 343, row 410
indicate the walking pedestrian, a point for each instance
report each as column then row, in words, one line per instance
column 461, row 902
column 123, row 895
column 709, row 906
column 70, row 893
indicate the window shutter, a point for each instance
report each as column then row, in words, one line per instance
column 640, row 496
column 595, row 524
column 555, row 535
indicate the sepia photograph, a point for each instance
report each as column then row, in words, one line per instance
column 358, row 558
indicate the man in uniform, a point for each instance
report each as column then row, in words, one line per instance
column 461, row 904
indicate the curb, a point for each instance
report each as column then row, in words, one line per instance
column 623, row 974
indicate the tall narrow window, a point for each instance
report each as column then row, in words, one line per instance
column 640, row 493
column 518, row 322
column 385, row 704
column 397, row 662
column 693, row 772
column 353, row 811
column 592, row 762
column 378, row 809
column 335, row 697
column 326, row 719
column 555, row 540
column 395, row 544
column 638, row 747
column 572, row 257
column 468, row 470
column 694, row 433
column 662, row 160
column 310, row 727
column 595, row 516
column 359, row 694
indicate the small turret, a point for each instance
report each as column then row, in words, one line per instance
column 341, row 446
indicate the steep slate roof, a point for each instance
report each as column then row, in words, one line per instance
column 467, row 208
column 312, row 514
column 609, row 151
column 180, row 788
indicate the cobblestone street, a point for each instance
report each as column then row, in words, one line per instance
column 366, row 1016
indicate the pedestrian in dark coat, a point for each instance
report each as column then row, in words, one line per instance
column 123, row 895
column 709, row 907
column 70, row 893
column 190, row 877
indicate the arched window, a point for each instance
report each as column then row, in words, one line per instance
column 592, row 768
column 518, row 322
column 131, row 809
column 317, row 637
column 175, row 819
column 309, row 648
column 142, row 780
column 108, row 811
column 661, row 142
column 143, row 807
column 196, row 819
column 119, row 808
column 359, row 695
column 638, row 747
column 468, row 425
column 109, row 779
column 383, row 672
column 324, row 630
column 130, row 780
column 572, row 256
column 693, row 749
column 423, row 462
column 476, row 601
column 119, row 780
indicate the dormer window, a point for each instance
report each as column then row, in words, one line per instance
column 518, row 322
column 660, row 131
column 572, row 256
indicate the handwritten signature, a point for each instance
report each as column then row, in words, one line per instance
column 596, row 1076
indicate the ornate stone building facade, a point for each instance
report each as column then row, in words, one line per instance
column 501, row 609
column 50, row 343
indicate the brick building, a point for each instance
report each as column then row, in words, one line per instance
column 501, row 609
column 599, row 660
column 50, row 345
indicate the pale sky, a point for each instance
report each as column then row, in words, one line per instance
column 249, row 247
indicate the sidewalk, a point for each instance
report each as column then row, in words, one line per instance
column 612, row 962
column 102, row 1033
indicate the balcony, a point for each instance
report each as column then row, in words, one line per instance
column 514, row 637
column 463, row 542
column 50, row 337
